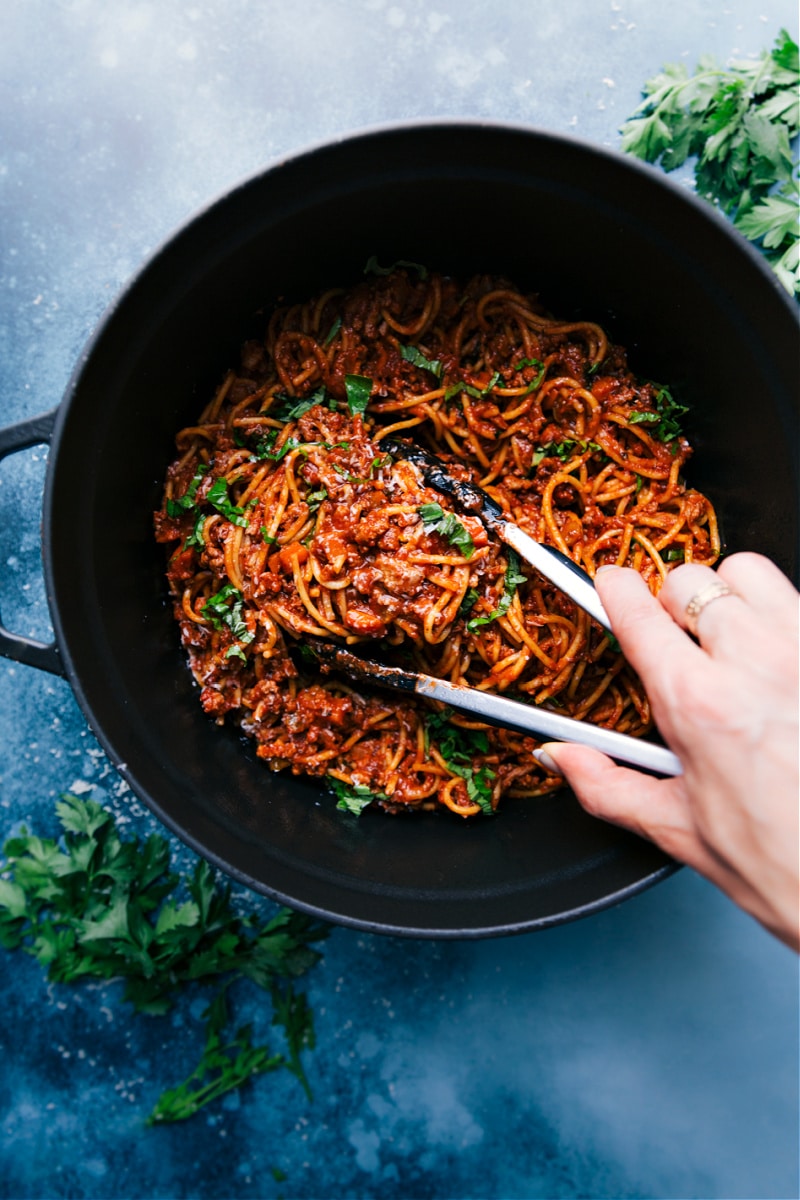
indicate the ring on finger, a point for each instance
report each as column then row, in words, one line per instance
column 700, row 600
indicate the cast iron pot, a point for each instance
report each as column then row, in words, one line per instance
column 599, row 237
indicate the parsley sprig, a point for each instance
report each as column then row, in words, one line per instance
column 92, row 904
column 223, row 1067
column 737, row 124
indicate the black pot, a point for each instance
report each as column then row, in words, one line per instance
column 599, row 236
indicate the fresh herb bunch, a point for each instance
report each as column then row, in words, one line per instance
column 92, row 904
column 738, row 124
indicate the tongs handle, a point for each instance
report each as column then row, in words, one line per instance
column 499, row 710
column 571, row 579
column 524, row 718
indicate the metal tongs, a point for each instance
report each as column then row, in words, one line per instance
column 498, row 710
column 555, row 566
column 484, row 706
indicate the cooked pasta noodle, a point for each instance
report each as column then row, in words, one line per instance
column 285, row 519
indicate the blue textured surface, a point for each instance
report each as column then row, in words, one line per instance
column 650, row 1051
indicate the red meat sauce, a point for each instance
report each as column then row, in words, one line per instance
column 347, row 540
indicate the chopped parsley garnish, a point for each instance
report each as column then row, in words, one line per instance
column 196, row 538
column 665, row 417
column 513, row 578
column 358, row 389
column 291, row 443
column 456, row 389
column 373, row 267
column 225, row 610
column 564, row 450
column 354, row 797
column 314, row 499
column 218, row 497
column 413, row 355
column 469, row 601
column 176, row 508
column 540, row 366
column 458, row 747
column 436, row 520
column 290, row 408
column 674, row 554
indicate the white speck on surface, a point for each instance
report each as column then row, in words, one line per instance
column 109, row 58
column 366, row 1144
column 80, row 787
column 437, row 21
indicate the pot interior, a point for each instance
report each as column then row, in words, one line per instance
column 598, row 237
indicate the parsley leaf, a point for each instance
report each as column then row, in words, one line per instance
column 332, row 332
column 196, row 538
column 456, row 389
column 217, row 496
column 436, row 520
column 358, row 389
column 563, row 450
column 458, row 747
column 290, row 408
column 737, row 124
column 314, row 499
column 413, row 355
column 469, row 601
column 664, row 418
column 541, row 368
column 354, row 797
column 176, row 508
column 512, row 580
column 291, row 443
column 221, row 613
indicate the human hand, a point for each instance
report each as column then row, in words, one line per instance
column 728, row 707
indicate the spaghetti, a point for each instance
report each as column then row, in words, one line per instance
column 285, row 518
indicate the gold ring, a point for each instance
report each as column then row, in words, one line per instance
column 707, row 595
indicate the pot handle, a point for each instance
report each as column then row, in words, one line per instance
column 31, row 653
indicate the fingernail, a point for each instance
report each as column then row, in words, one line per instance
column 547, row 761
column 606, row 567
